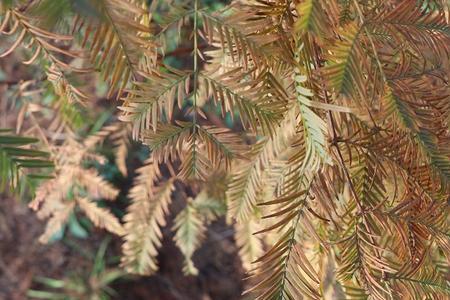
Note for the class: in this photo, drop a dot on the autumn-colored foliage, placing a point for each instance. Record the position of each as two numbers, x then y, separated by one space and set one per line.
319 129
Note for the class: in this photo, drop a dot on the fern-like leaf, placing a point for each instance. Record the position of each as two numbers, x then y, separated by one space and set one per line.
168 141
259 103
117 41
101 217
250 245
146 103
189 231
144 219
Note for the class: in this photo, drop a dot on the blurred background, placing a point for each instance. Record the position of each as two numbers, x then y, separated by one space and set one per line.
82 262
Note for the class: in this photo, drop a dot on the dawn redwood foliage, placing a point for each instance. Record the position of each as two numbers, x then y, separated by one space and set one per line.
319 129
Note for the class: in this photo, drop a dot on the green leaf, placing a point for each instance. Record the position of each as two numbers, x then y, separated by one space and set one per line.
16 140
15 157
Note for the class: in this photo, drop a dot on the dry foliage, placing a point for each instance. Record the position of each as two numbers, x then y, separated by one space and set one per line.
335 172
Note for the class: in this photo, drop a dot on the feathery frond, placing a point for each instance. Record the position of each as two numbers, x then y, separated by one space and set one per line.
168 140
76 186
236 36
101 217
260 103
250 245
41 41
117 40
189 231
119 135
144 219
147 103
